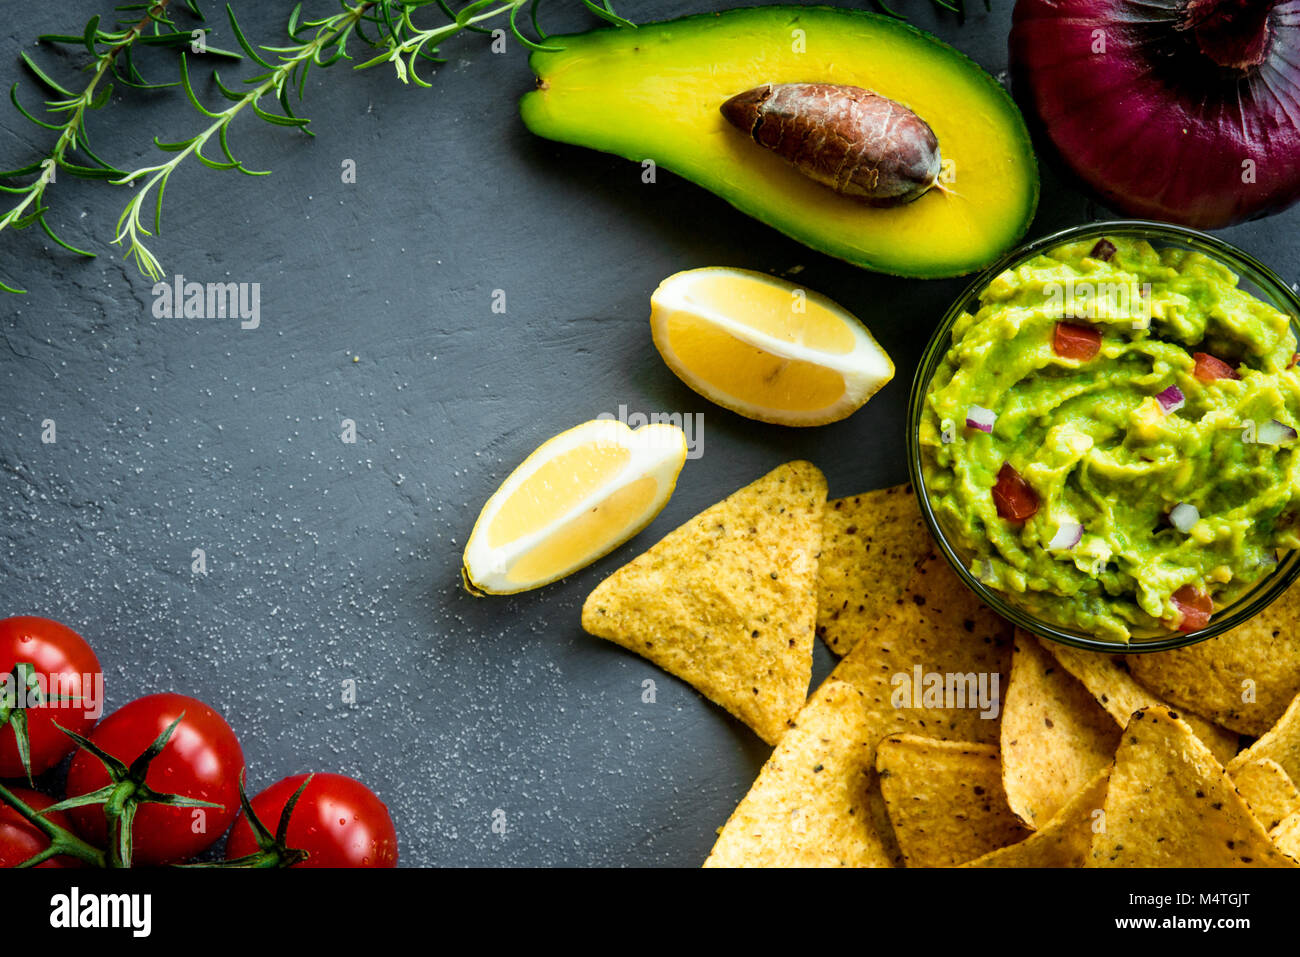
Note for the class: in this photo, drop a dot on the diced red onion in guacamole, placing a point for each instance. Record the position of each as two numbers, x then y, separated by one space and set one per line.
1184 516
978 417
1104 249
1066 537
982 571
1172 399
1274 432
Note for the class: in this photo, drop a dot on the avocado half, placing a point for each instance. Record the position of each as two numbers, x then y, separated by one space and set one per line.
654 93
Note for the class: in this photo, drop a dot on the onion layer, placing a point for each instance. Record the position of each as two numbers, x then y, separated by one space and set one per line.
1182 110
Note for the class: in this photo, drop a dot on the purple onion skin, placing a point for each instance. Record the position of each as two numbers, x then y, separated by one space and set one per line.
1162 122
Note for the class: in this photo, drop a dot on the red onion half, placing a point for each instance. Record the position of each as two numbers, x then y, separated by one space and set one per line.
1182 110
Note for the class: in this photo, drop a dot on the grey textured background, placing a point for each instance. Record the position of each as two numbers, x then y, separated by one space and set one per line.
330 561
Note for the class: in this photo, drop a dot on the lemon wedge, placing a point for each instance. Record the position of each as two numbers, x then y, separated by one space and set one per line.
765 348
579 496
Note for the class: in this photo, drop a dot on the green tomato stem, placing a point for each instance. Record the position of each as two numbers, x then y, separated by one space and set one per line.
62 841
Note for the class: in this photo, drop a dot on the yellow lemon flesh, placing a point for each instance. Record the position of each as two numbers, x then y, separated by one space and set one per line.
765 348
579 496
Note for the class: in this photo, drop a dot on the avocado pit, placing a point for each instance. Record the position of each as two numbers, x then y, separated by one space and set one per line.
854 141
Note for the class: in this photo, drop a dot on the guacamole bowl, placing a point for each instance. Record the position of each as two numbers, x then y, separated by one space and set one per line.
1104 436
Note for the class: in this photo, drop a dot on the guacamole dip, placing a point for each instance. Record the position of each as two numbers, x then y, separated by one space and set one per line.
1111 438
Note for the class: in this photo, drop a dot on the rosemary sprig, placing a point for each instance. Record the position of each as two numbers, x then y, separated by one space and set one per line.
30 207
294 61
320 42
405 41
111 50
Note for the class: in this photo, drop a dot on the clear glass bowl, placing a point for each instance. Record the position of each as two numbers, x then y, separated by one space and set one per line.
1255 278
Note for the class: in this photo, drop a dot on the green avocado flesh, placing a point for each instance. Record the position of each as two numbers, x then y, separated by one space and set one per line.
654 93
1100 449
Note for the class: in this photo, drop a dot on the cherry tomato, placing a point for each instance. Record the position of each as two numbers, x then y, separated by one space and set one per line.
338 821
201 760
68 669
1194 607
20 840
1208 368
1075 342
1013 496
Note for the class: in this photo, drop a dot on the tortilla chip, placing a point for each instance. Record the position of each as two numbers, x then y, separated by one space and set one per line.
949 632
1171 804
937 628
1268 790
728 601
1117 692
871 544
1280 743
1055 737
945 799
1259 661
1065 840
1286 836
808 807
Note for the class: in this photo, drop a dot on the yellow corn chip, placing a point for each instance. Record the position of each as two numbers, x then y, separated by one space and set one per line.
935 655
1280 743
871 544
1243 679
1117 692
1268 790
808 807
728 601
1065 840
1286 836
1171 804
945 799
1055 737
949 632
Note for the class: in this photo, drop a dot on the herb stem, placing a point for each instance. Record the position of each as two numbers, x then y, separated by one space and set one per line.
62 841
417 40
72 131
130 228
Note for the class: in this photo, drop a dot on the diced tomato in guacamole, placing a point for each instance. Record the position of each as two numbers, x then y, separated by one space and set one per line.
1014 499
1208 368
1070 341
1194 607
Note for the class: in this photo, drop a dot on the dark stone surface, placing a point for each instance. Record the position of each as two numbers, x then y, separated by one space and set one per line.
329 561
